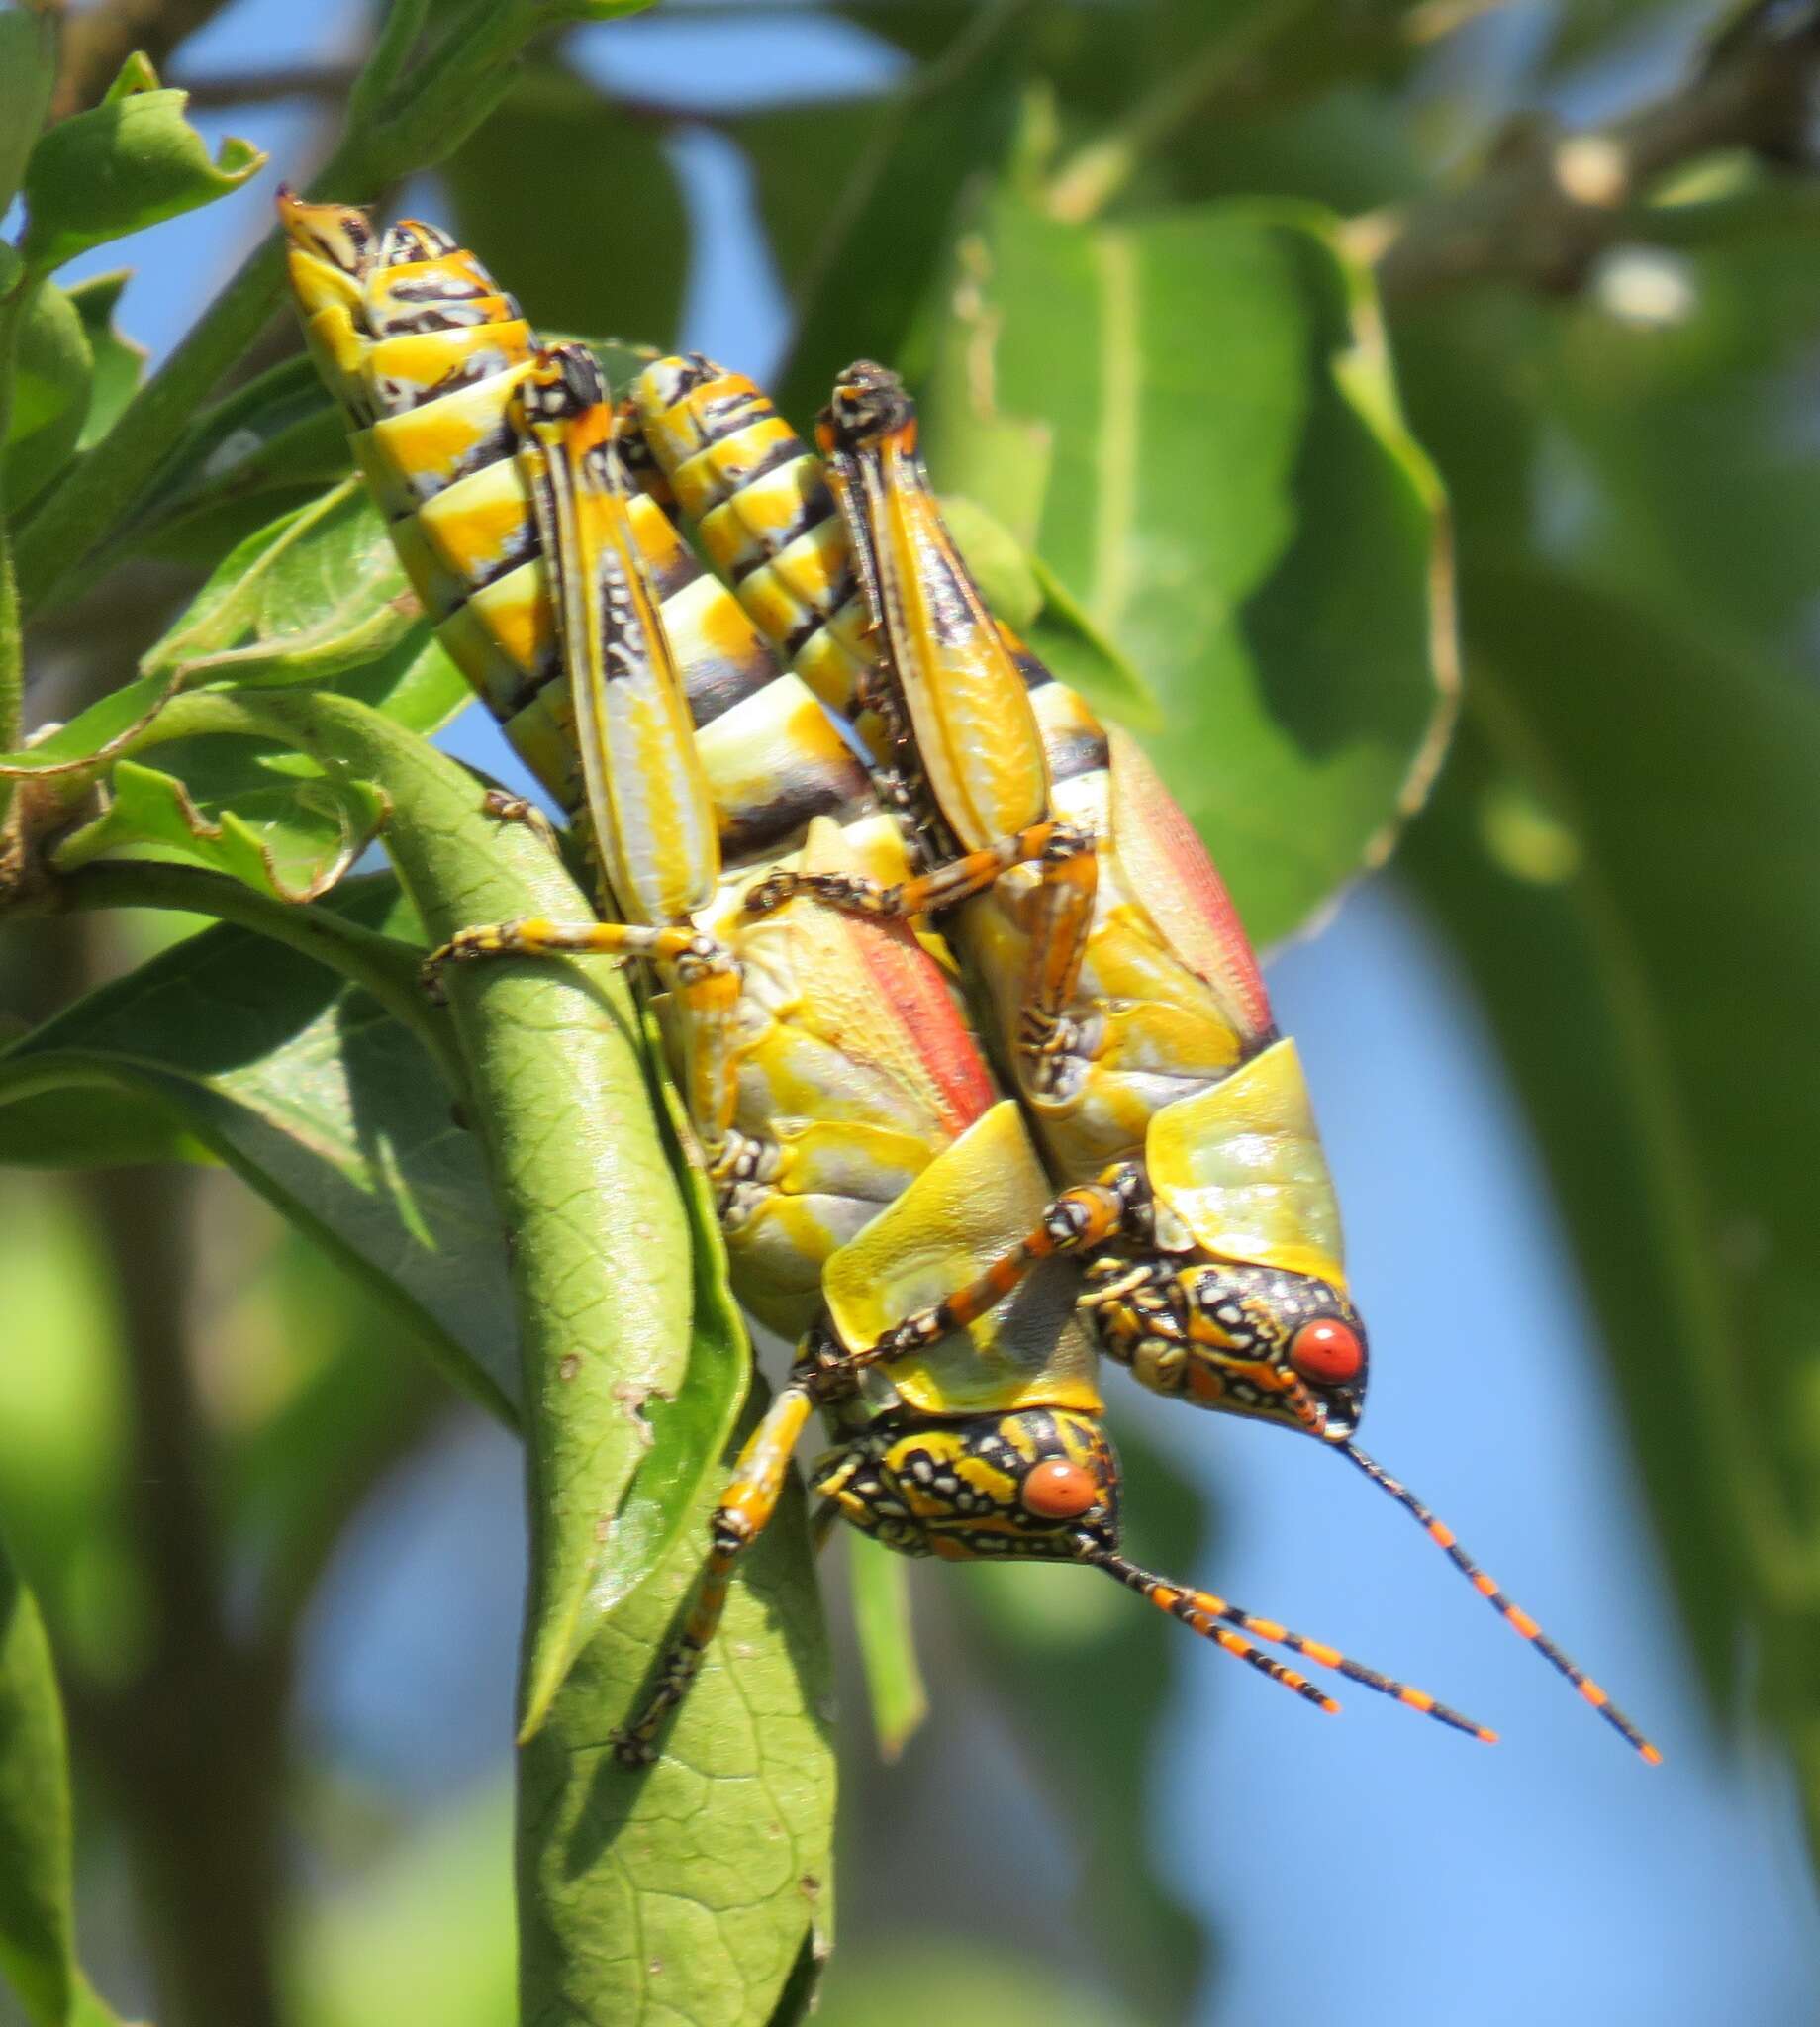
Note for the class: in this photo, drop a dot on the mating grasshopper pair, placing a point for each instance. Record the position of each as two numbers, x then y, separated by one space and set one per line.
880 1205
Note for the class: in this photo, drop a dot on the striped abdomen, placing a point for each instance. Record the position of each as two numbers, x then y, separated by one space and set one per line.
424 351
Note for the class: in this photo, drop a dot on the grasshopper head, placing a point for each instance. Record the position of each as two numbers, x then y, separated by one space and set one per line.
1263 1341
869 402
330 247
1036 1481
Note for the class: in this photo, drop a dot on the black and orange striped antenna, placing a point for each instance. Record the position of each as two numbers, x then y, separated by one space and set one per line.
1507 1609
1214 1617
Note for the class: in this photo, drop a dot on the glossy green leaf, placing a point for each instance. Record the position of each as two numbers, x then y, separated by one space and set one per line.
599 1239
293 842
37 1926
119 365
890 244
572 200
1599 873
882 1624
694 1890
28 73
53 369
317 593
127 164
1233 501
269 1061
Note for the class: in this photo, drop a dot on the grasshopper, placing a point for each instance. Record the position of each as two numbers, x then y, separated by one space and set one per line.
862 1161
1116 979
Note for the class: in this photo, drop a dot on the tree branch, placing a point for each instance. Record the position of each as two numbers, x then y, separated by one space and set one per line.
1549 201
98 40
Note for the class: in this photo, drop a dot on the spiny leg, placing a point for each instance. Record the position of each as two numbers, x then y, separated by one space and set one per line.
1079 1218
744 1512
706 977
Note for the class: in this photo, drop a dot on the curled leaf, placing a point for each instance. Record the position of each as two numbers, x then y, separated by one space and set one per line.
127 164
293 842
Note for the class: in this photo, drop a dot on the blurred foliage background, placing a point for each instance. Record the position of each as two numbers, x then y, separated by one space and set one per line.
280 1563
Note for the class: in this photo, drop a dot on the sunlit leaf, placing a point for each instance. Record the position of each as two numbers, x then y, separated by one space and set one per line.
1229 500
125 165
692 1890
293 842
315 594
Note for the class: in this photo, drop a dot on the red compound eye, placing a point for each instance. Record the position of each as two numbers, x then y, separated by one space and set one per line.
1328 1353
1056 1490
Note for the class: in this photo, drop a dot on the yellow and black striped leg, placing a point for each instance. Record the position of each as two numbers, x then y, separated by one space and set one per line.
744 1512
1061 918
704 977
1079 1218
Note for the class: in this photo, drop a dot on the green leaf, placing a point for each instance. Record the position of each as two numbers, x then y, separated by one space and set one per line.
119 365
799 154
53 370
558 167
317 593
27 75
1232 502
37 1926
599 1238
263 450
692 1890
880 1583
270 1061
697 1421
1631 837
294 841
893 230
127 163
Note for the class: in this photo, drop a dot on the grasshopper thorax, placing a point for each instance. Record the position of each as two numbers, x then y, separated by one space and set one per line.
1250 1340
1033 1483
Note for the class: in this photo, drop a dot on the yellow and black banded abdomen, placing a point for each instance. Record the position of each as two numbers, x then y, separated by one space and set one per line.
759 503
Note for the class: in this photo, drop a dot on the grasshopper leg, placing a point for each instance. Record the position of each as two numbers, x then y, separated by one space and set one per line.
1061 919
706 977
1078 1219
744 1512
